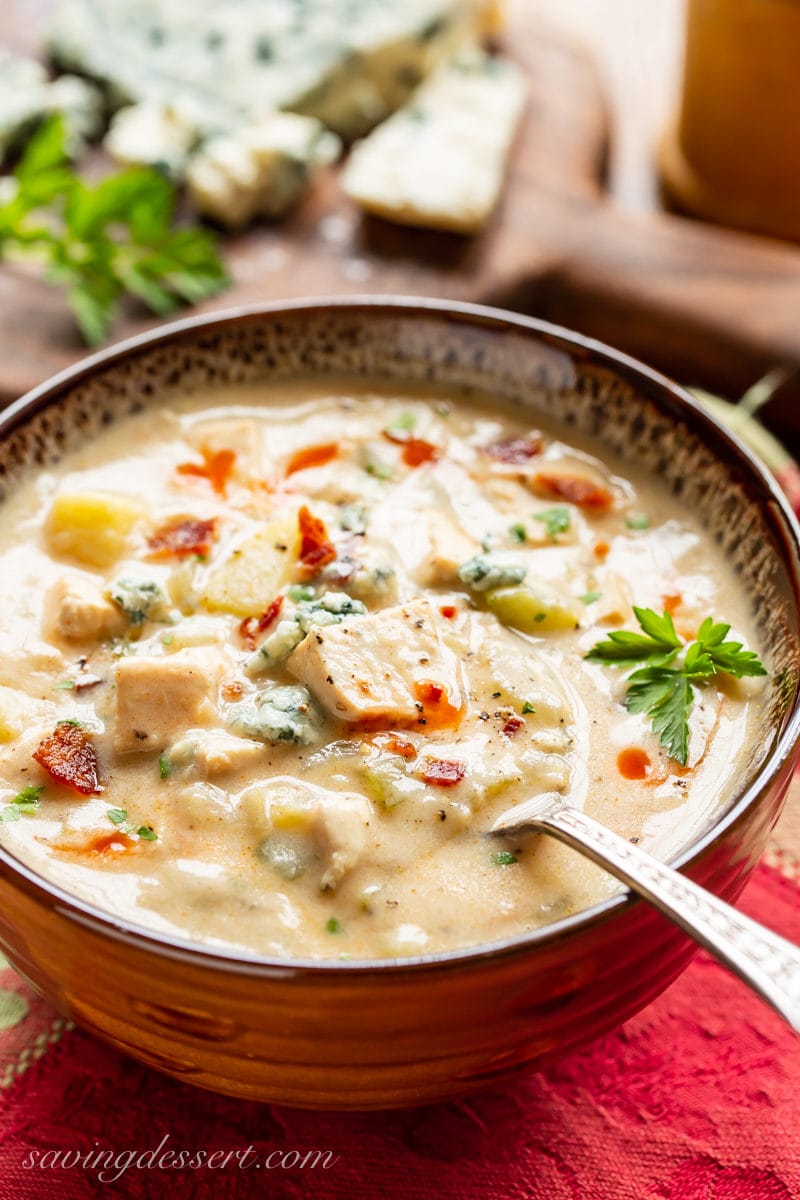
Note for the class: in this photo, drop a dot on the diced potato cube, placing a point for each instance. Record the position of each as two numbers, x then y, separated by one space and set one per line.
256 570
160 698
533 611
92 527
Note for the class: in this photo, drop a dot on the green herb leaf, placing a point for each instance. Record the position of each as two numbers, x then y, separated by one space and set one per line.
25 802
557 520
117 815
590 597
378 471
401 426
65 685
666 692
300 591
333 926
504 858
638 521
100 241
147 834
528 707
518 532
164 766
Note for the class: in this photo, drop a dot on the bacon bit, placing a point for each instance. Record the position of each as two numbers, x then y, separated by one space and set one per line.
251 626
232 691
216 467
601 549
316 551
68 756
428 692
182 537
515 450
448 611
397 745
442 772
671 603
575 488
416 451
512 725
312 456
633 763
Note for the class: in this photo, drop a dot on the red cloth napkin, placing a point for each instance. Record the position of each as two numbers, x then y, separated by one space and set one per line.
696 1098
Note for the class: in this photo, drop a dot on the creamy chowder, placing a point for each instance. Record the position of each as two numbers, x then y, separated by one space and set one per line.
274 659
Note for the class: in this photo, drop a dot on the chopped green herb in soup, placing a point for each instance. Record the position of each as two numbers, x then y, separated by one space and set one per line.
273 660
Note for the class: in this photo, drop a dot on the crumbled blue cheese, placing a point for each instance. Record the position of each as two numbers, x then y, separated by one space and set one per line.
346 62
329 609
153 134
440 161
259 170
492 570
278 714
140 599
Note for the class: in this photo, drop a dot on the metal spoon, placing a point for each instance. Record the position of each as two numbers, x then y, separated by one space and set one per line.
765 962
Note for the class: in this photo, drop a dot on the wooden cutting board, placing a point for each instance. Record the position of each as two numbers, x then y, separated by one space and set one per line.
707 306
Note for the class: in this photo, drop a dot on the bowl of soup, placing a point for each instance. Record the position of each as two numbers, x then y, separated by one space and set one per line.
296 602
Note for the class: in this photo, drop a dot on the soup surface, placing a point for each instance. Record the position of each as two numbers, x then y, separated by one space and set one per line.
274 660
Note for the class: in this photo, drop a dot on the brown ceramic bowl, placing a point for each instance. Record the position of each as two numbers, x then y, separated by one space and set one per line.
379 1034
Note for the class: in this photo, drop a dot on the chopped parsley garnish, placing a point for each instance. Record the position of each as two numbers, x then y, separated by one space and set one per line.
402 425
638 521
518 532
590 597
557 520
300 591
333 926
117 815
25 802
378 471
167 639
504 858
147 834
528 707
664 687
65 685
164 766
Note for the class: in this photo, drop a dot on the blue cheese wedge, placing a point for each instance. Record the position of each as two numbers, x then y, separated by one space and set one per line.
260 170
349 63
440 161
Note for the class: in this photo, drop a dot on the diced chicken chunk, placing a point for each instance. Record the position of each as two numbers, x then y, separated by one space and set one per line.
449 547
214 752
159 698
374 667
76 610
303 825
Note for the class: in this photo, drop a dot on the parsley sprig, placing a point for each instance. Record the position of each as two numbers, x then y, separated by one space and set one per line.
104 240
25 802
665 687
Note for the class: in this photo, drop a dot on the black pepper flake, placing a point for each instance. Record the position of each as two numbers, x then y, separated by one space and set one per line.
496 695
392 903
281 546
421 721
329 679
634 839
319 639
484 716
418 706
442 815
419 624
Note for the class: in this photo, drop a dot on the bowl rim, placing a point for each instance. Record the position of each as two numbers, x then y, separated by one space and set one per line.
667 395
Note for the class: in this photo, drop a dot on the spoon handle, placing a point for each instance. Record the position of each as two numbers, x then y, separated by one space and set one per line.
768 963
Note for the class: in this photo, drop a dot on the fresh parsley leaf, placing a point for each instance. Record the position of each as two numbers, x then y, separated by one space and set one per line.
658 644
557 520
638 521
528 707
164 767
117 815
665 687
103 240
402 425
147 834
378 471
333 926
504 858
65 685
590 597
518 532
25 802
300 591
